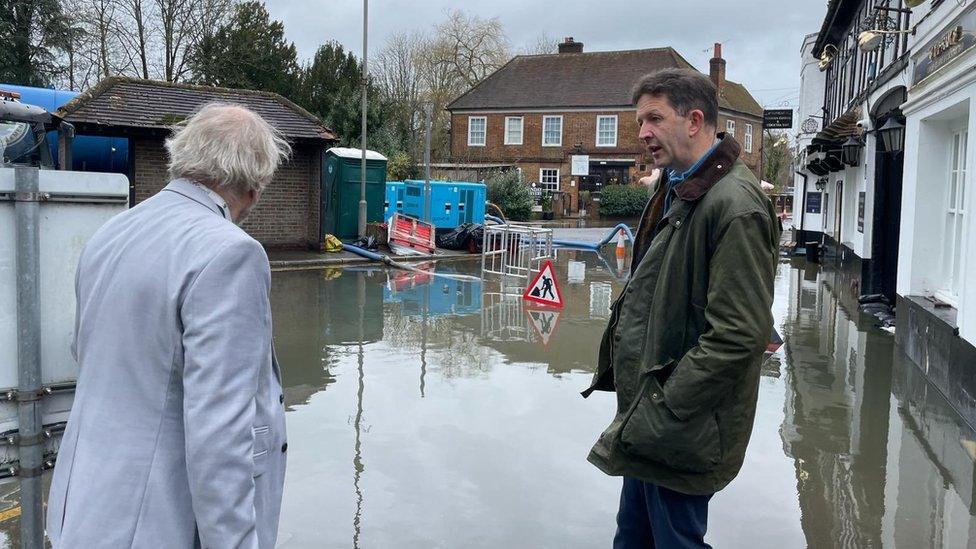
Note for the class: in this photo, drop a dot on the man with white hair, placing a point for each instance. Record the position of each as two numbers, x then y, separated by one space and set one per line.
177 433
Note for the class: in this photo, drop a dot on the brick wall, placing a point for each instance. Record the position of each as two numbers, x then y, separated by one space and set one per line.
286 216
751 159
578 127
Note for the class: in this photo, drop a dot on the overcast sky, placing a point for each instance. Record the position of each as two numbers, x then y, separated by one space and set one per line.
760 38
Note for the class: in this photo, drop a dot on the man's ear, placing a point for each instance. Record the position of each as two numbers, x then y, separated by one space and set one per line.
696 122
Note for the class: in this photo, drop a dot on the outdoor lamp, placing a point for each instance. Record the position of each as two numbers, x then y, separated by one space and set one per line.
851 151
821 183
869 40
893 135
826 57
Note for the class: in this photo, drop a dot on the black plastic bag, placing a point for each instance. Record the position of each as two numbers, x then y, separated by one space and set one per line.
367 243
458 238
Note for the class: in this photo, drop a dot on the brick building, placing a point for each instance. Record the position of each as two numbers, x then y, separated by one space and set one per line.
144 111
537 111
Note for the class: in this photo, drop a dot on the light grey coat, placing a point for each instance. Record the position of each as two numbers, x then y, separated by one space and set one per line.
177 433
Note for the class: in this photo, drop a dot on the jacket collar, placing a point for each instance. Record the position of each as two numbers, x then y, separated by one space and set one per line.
197 194
714 168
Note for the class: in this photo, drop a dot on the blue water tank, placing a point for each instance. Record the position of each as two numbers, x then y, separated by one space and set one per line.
393 199
452 203
89 153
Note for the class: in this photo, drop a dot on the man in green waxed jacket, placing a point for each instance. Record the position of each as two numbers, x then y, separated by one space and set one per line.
687 334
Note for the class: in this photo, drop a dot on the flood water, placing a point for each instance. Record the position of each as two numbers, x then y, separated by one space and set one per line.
431 413
426 412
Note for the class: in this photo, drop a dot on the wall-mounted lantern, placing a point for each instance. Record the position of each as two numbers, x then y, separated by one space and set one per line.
821 184
826 57
851 151
893 135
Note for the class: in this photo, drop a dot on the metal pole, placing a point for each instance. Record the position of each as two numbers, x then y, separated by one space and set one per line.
428 114
362 141
27 209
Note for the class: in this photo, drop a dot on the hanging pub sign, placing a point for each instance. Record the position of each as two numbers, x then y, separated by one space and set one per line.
958 38
814 202
580 164
778 119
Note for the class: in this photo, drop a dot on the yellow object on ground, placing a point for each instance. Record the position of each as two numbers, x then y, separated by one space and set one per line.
331 244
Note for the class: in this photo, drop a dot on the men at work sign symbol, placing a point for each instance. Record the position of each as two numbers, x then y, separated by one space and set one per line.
544 289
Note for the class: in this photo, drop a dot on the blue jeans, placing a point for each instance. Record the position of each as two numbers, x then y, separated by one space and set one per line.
653 517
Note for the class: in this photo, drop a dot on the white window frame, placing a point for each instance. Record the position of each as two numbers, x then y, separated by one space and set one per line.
747 138
606 117
552 117
484 138
548 186
955 220
730 127
521 130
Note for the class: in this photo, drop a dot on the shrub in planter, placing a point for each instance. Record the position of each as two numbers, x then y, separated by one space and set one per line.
623 200
511 195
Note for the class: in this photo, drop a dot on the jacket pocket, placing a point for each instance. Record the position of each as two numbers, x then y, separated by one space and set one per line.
262 437
654 433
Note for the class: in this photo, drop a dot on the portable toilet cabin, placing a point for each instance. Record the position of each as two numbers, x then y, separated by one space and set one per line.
339 207
394 199
452 203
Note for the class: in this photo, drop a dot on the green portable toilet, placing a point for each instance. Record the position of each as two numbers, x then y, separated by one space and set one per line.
339 202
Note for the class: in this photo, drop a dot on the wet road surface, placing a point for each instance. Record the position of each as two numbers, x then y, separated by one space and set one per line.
426 412
431 413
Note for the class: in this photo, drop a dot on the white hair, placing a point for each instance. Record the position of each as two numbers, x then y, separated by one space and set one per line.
226 146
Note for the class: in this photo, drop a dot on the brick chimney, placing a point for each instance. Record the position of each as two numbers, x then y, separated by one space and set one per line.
717 68
569 46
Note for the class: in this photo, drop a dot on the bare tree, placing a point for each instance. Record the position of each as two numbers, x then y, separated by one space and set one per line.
469 48
544 44
92 48
136 36
398 71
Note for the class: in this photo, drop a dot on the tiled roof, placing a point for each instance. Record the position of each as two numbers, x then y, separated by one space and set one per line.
582 80
118 102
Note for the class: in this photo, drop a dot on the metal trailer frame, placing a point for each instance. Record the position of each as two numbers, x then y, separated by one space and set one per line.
39 390
515 250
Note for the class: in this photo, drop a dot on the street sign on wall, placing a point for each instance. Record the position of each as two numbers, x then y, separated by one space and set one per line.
778 119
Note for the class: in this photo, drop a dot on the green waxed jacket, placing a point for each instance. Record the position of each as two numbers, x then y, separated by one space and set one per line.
686 336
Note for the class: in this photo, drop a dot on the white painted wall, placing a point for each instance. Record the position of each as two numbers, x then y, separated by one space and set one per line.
810 102
944 102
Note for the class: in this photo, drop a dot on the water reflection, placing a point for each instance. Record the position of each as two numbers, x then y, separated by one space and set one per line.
427 412
861 479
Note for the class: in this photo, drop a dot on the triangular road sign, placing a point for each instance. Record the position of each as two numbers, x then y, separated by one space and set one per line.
545 323
544 290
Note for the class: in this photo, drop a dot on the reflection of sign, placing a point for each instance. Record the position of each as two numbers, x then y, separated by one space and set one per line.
860 212
544 322
581 164
957 39
544 290
778 119
577 271
814 202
